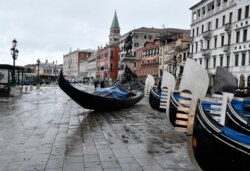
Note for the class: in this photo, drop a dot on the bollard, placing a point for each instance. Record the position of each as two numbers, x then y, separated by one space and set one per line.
26 89
37 86
21 89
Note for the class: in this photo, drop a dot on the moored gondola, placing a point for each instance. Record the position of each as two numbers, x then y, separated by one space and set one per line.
224 82
154 99
159 98
238 115
217 147
113 98
155 96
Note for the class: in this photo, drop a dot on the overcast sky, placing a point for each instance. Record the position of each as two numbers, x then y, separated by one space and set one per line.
47 29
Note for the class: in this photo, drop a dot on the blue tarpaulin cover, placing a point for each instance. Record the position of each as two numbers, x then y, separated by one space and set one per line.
179 97
239 106
207 105
242 138
112 92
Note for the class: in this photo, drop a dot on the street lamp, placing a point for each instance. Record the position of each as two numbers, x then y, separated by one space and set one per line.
38 77
14 54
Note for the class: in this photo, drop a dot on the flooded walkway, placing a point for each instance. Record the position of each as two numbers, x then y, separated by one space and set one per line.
46 131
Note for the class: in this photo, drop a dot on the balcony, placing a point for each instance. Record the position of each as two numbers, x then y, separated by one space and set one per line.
216 10
227 48
207 34
228 27
206 53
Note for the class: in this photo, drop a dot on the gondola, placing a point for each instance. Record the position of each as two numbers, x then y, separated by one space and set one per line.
155 96
97 101
224 82
154 99
238 115
159 93
218 147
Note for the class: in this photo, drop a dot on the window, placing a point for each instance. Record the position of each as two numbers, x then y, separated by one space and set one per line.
217 23
214 61
221 60
209 26
228 61
145 36
236 60
239 14
218 3
207 60
215 42
200 61
184 56
244 35
201 45
111 54
197 31
237 36
193 33
202 28
223 20
243 59
203 10
136 44
230 17
229 39
247 11
208 44
196 47
222 40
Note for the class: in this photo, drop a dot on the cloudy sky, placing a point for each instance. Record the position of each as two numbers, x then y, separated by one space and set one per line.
47 29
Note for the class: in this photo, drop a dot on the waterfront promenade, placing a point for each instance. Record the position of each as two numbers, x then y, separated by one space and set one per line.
46 131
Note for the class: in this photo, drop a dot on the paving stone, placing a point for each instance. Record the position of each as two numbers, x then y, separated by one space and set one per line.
47 131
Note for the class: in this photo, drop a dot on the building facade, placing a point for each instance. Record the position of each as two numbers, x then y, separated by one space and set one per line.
143 35
150 59
107 62
91 66
220 36
71 62
48 72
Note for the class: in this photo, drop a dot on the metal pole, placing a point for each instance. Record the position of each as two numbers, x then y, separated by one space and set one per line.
13 74
38 74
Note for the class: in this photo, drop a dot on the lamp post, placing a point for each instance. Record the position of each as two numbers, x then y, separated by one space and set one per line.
38 77
14 54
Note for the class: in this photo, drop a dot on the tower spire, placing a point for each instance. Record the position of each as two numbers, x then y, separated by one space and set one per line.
114 31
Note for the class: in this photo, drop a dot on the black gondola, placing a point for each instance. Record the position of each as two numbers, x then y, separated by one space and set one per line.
96 102
224 81
155 96
217 147
238 115
160 93
154 99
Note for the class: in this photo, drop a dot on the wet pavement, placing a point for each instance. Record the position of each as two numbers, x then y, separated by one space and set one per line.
46 131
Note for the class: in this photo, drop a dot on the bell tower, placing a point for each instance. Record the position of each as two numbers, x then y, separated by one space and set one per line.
114 35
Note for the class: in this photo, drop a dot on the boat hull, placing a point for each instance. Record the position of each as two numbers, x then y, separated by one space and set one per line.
98 103
236 120
154 99
213 150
